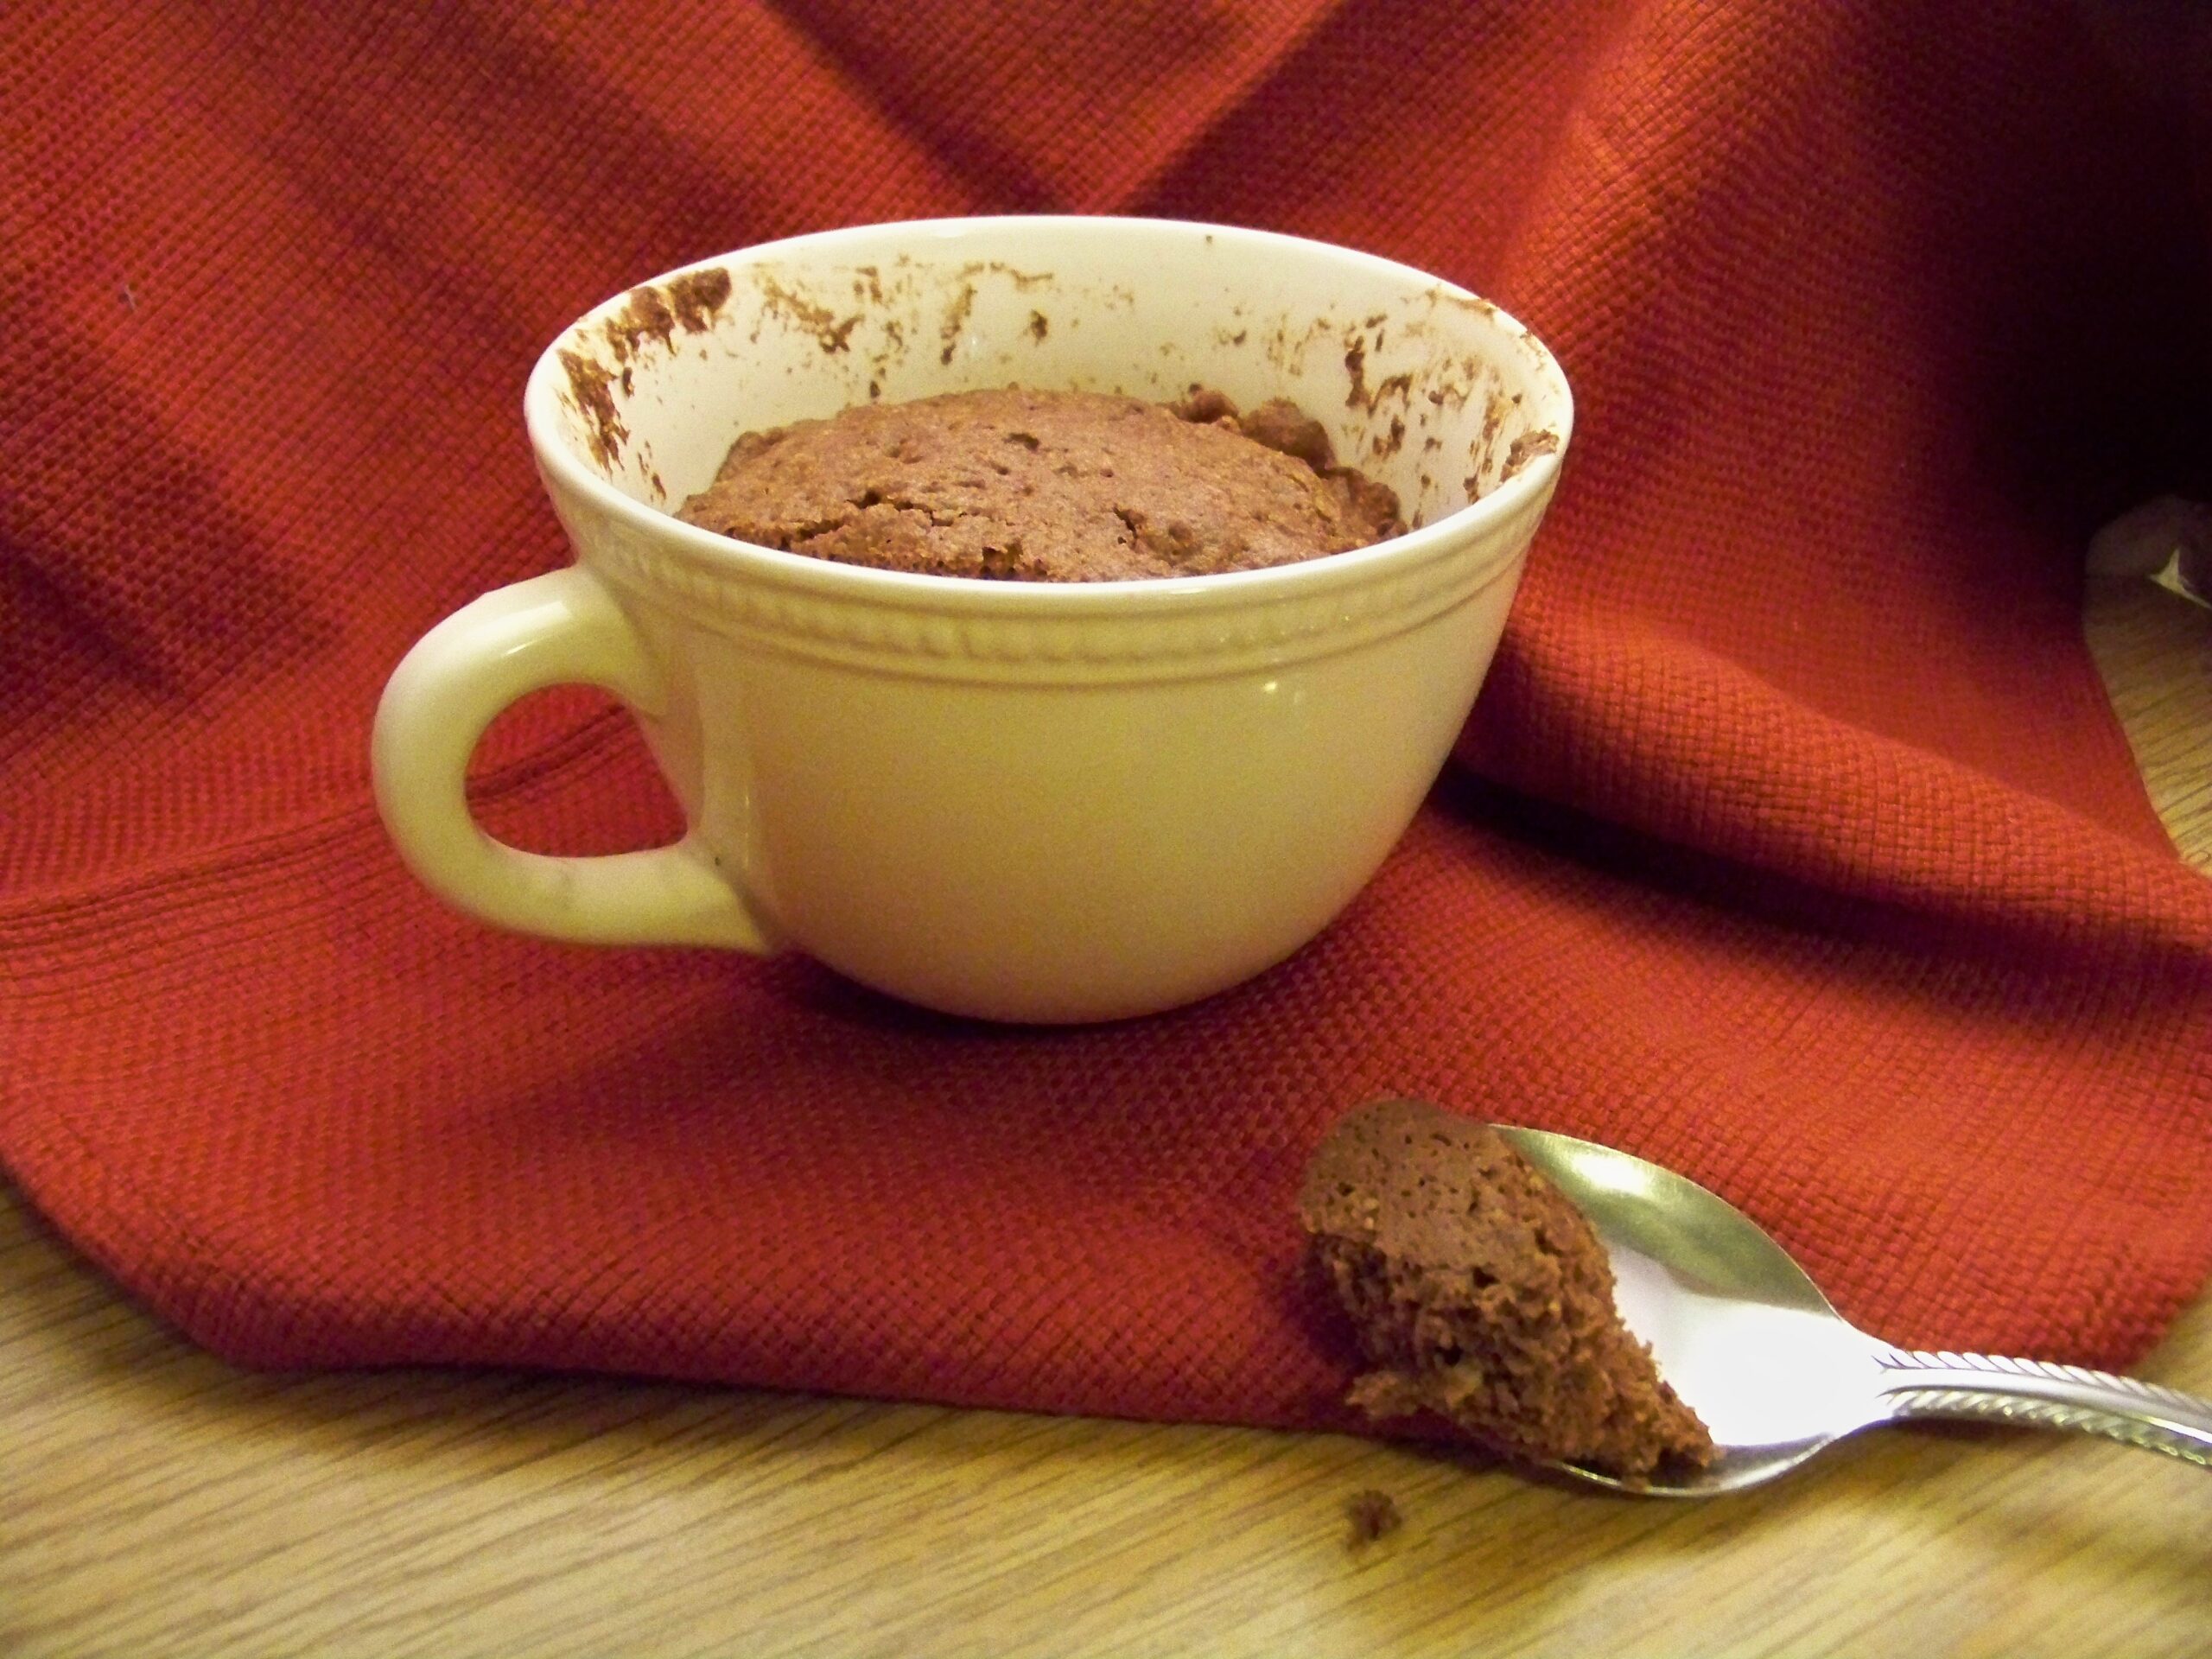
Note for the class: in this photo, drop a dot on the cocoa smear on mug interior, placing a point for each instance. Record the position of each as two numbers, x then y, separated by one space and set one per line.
1049 487
690 303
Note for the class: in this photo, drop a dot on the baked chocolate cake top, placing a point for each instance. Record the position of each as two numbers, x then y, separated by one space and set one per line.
1048 487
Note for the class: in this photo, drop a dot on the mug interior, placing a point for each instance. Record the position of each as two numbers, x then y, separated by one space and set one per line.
1422 386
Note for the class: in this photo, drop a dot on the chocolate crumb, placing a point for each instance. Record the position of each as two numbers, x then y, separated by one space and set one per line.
1039 325
1374 1515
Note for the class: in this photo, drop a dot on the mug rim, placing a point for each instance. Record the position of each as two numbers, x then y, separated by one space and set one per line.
1452 533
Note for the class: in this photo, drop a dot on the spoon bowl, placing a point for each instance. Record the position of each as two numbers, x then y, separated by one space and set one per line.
1746 1338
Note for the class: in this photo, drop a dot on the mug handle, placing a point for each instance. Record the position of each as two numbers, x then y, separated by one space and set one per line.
563 628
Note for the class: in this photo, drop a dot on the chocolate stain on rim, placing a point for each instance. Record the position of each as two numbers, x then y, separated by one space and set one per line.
1454 383
1474 302
1526 448
1287 350
1022 280
645 316
1400 386
1483 452
894 346
695 298
831 332
955 318
689 303
590 381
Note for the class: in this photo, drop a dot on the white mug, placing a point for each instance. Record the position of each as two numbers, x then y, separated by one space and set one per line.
1022 801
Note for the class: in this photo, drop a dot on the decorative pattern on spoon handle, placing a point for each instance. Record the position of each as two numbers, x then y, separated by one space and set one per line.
2037 1393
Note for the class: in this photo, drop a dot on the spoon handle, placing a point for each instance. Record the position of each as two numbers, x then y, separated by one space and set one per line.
2036 1393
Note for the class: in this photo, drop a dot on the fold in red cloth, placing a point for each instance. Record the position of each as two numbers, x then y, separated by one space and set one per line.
1793 843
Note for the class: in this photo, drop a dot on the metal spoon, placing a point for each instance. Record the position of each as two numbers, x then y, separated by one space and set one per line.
1751 1346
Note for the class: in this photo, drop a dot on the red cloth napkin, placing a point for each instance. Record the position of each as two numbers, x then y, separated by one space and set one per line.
1795 845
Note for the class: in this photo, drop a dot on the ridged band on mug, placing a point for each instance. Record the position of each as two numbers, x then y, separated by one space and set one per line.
1202 637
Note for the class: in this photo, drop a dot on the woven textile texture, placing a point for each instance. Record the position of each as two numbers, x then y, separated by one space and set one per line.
1793 842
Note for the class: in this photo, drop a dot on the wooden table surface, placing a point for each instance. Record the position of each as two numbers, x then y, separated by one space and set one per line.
154 1501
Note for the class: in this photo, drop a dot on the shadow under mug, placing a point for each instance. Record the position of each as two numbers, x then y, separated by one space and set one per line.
1029 802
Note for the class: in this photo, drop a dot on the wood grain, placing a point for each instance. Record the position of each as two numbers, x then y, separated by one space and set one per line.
153 1501
2154 649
